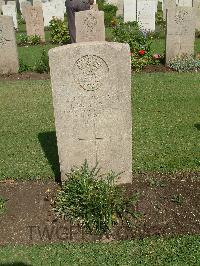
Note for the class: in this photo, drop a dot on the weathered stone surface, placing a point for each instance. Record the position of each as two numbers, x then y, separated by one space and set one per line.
8 49
196 4
23 6
11 10
33 16
180 33
92 105
89 26
187 3
1 4
168 5
146 12
52 9
130 10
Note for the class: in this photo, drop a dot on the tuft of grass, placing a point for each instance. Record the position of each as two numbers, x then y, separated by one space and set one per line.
2 205
178 199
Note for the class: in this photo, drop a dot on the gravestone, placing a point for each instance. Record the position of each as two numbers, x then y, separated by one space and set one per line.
8 48
11 10
146 12
37 2
34 20
23 7
1 4
92 106
52 9
186 3
196 4
130 10
180 33
21 4
168 5
89 26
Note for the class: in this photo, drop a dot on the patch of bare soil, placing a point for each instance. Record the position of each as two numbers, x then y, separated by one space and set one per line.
157 68
167 205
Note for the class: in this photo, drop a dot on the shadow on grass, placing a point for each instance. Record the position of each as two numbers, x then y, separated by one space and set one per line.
48 142
197 125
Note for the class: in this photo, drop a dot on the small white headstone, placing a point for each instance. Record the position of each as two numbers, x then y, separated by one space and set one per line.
180 33
146 13
11 10
130 10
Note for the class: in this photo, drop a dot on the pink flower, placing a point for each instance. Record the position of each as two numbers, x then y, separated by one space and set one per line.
156 56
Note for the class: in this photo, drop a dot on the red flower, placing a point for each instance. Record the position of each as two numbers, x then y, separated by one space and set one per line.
141 52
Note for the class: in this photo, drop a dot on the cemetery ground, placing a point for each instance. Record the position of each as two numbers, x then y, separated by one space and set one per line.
166 176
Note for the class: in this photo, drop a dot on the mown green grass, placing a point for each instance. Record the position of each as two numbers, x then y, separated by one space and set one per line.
166 122
31 54
166 126
180 251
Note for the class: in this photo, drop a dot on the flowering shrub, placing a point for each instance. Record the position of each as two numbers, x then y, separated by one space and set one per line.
140 43
59 31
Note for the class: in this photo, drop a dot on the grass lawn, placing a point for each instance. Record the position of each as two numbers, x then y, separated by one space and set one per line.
153 251
165 133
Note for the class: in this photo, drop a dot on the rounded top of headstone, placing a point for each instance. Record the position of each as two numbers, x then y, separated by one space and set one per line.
114 45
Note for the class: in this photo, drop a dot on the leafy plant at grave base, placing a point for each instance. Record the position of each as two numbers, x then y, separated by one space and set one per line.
23 39
29 40
42 65
34 40
23 67
109 12
140 44
185 64
154 182
94 201
178 199
2 205
59 31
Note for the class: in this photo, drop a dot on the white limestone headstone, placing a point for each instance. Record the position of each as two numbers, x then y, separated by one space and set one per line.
89 26
52 9
91 85
130 10
196 4
180 35
168 5
186 3
146 13
11 10
8 49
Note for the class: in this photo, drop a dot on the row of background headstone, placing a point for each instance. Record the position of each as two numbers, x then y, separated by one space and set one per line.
142 11
180 27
